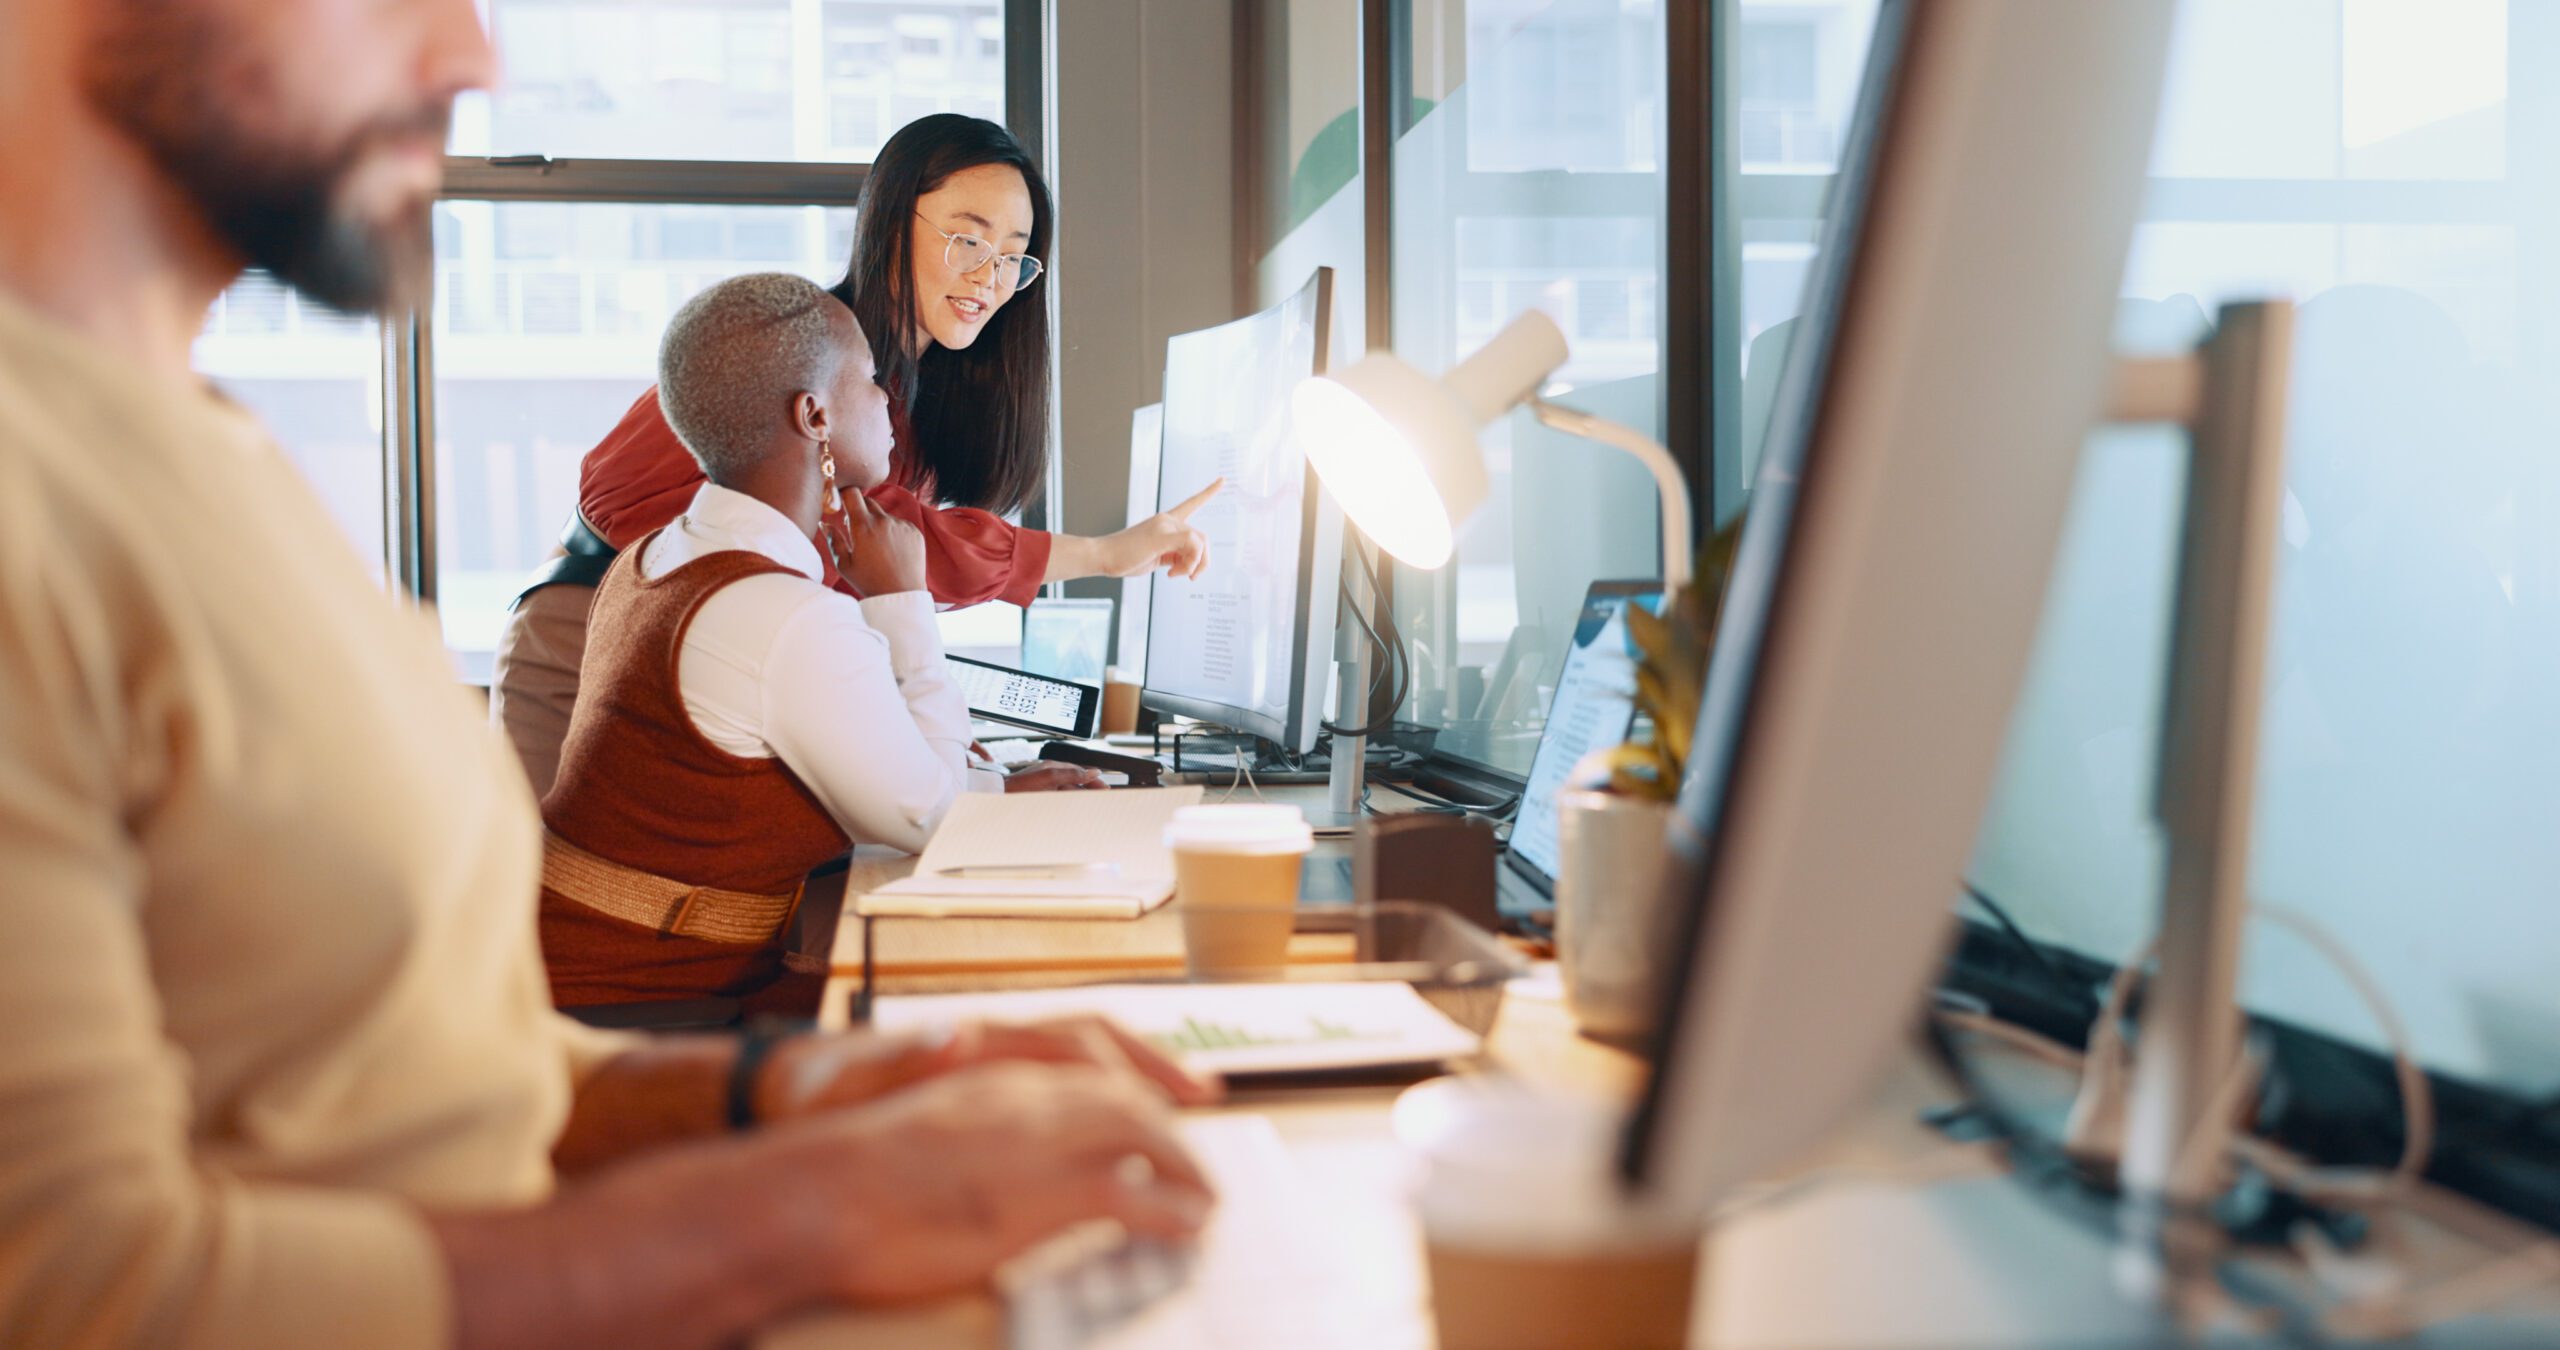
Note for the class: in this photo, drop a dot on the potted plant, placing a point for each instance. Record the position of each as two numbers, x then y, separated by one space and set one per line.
1612 930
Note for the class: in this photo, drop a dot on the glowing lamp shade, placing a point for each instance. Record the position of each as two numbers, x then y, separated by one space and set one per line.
1398 449
1385 458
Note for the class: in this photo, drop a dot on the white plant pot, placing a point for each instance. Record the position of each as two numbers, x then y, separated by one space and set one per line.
1611 936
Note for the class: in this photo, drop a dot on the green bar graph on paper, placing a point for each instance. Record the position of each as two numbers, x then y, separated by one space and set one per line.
1198 1035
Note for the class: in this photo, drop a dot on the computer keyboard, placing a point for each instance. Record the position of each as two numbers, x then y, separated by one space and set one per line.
1326 881
1263 1273
1088 1294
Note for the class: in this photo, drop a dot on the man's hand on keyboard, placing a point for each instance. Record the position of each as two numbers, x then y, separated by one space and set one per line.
1046 776
931 1189
1094 1041
811 1074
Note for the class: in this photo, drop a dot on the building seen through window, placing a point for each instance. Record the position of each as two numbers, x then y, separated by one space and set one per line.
807 80
314 378
545 316
1532 179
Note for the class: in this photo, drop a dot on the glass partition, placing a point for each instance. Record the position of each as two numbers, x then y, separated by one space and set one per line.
808 80
2356 158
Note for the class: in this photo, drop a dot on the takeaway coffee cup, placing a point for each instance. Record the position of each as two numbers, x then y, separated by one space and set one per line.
1119 704
1529 1239
1235 883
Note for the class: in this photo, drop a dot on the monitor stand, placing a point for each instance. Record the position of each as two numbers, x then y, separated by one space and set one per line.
2230 396
1347 779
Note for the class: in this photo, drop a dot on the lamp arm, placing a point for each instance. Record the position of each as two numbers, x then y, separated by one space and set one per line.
1674 490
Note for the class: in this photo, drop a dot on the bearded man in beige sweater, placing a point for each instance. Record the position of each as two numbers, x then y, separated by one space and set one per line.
277 1064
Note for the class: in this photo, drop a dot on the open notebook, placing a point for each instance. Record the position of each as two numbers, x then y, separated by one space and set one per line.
1054 855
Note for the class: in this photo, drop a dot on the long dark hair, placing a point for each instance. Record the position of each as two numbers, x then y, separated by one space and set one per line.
979 417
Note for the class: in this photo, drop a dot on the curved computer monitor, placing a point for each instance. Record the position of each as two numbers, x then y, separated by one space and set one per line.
1953 353
1247 644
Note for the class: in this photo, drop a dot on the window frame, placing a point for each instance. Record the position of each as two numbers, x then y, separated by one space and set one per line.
408 348
1686 328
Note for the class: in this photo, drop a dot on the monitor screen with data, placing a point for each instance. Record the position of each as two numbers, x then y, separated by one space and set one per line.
1248 642
1593 707
1023 699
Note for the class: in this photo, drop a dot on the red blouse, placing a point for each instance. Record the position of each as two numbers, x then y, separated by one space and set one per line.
640 476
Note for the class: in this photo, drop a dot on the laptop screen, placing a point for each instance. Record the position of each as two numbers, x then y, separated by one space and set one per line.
1593 709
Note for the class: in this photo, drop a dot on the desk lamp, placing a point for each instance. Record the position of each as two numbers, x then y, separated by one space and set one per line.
1397 448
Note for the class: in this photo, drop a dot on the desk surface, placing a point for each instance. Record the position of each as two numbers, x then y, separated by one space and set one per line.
1887 1236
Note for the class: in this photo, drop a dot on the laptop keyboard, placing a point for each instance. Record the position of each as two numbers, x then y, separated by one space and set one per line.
1326 881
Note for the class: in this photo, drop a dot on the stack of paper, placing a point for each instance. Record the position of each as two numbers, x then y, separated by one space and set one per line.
1054 855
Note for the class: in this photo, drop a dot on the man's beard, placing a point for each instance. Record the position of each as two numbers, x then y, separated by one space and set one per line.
177 81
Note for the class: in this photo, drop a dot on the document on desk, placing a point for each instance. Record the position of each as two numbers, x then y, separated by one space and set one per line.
1041 855
1227 1028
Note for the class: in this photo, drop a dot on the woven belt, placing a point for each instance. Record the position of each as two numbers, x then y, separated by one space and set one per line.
653 901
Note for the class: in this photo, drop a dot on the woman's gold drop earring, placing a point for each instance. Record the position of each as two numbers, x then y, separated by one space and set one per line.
827 471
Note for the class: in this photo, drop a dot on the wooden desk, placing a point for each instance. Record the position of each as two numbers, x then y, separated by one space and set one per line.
1887 1235
1338 1137
1352 1172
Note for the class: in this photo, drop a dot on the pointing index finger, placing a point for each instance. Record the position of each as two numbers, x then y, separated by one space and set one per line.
1195 500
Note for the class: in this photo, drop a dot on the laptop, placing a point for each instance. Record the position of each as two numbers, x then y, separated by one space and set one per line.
1594 707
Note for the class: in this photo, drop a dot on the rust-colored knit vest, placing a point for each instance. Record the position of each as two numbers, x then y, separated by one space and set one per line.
641 786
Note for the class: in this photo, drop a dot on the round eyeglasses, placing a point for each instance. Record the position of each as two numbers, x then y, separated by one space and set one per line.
966 253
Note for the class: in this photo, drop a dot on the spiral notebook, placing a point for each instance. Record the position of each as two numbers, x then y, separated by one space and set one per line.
1041 855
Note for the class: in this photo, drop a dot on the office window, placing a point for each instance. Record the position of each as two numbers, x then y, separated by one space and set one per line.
546 313
1534 180
2407 786
1310 123
1779 93
1530 180
725 79
314 378
1797 70
546 325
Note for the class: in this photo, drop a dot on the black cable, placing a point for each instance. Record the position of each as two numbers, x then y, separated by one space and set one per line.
2532 1117
1393 664
1433 801
1386 668
2080 994
2084 1194
2034 1157
1189 730
1385 620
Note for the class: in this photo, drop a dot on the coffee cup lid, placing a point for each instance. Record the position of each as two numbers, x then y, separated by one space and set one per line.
1244 827
1514 1168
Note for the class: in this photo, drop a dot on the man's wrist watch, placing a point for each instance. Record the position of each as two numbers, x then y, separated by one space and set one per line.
755 1045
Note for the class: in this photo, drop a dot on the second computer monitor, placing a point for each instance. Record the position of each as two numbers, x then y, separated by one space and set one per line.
1886 586
1249 642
